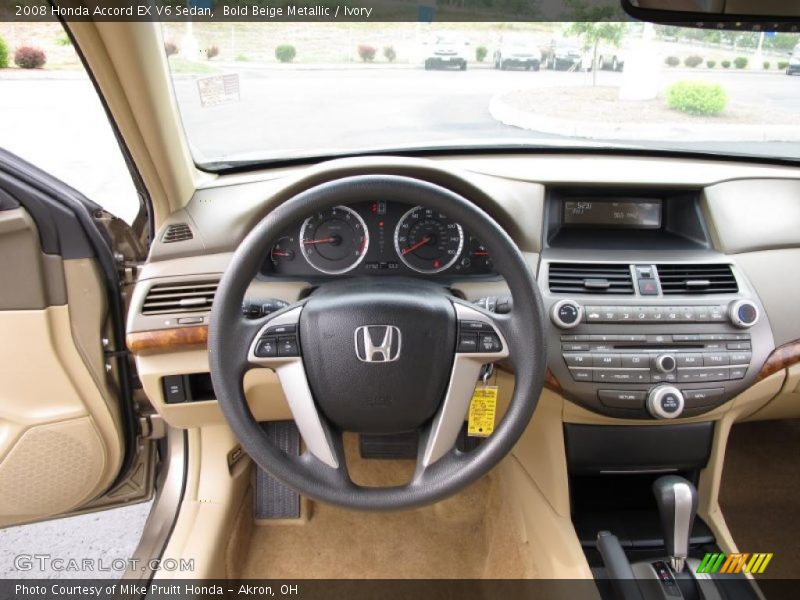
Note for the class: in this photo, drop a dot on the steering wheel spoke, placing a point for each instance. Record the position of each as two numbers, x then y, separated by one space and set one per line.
277 346
479 341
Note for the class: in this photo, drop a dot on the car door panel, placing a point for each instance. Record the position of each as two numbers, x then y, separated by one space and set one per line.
64 423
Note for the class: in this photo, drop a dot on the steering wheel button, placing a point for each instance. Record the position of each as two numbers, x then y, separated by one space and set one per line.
490 342
468 342
474 326
281 329
267 347
287 346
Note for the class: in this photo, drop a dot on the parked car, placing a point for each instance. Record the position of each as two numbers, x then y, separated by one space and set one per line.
446 51
794 61
517 52
610 58
565 54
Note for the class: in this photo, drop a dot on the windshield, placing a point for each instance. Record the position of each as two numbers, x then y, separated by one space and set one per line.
261 92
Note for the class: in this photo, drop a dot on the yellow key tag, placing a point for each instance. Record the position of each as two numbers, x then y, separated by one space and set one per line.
481 411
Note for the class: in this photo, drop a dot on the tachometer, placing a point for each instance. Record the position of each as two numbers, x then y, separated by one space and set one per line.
427 240
335 240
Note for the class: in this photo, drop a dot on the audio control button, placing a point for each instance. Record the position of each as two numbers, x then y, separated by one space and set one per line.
606 360
716 359
581 374
740 358
690 360
666 363
635 361
622 399
578 360
698 398
665 402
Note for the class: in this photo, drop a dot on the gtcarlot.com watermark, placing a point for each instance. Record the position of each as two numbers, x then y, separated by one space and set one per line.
50 563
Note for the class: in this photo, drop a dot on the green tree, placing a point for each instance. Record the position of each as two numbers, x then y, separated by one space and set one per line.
594 26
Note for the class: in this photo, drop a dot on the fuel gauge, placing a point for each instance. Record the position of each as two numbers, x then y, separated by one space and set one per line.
475 258
283 251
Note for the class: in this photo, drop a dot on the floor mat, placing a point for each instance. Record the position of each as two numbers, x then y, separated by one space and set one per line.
470 535
760 492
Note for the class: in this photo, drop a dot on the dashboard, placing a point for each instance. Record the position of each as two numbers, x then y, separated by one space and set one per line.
377 238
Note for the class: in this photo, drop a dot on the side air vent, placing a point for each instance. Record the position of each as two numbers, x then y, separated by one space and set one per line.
177 232
590 278
697 279
172 298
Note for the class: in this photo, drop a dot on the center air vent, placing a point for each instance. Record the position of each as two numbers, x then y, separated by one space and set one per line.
697 279
172 298
177 232
590 278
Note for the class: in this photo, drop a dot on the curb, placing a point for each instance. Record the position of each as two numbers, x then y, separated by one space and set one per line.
632 131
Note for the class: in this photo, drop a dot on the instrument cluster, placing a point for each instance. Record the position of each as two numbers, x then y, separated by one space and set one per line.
380 237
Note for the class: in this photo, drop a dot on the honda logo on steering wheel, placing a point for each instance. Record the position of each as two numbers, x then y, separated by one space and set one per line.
377 343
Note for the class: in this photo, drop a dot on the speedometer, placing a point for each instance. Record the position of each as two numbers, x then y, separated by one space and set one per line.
428 241
334 241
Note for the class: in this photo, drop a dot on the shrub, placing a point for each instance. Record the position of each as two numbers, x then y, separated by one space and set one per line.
241 58
63 40
212 52
480 53
3 54
28 57
697 98
767 65
171 48
726 64
672 61
366 52
693 61
740 62
389 53
783 64
285 53
711 64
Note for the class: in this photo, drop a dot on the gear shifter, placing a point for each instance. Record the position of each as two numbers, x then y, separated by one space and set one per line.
677 504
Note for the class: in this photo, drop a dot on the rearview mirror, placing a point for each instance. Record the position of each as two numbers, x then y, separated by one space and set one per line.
705 10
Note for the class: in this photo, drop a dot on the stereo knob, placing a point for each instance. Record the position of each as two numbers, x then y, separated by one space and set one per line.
566 314
666 363
665 402
743 313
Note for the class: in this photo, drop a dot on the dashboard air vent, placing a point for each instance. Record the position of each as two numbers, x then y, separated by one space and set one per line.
171 298
697 279
590 278
177 232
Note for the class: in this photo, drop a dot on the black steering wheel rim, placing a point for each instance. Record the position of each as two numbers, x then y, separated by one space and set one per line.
230 336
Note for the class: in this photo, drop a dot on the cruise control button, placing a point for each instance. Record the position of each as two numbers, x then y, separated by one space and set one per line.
287 346
267 347
468 342
622 399
490 342
474 326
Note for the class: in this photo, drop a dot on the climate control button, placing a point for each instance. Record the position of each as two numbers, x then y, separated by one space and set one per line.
743 313
566 314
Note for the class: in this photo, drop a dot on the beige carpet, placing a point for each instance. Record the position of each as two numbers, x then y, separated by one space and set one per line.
760 493
470 535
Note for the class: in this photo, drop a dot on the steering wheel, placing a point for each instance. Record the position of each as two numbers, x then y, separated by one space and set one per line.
377 355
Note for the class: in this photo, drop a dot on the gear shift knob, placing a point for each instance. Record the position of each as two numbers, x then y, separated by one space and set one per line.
677 504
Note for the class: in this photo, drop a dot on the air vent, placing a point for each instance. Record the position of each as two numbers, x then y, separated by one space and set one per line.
177 232
590 278
697 279
172 298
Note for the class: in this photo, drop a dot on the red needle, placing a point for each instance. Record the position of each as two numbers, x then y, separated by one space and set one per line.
419 244
276 253
328 240
480 254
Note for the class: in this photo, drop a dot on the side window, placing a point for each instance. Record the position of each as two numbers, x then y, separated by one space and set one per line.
51 116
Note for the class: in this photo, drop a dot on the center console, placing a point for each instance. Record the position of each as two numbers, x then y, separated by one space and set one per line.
648 321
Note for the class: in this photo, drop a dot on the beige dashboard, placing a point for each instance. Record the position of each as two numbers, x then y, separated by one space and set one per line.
751 210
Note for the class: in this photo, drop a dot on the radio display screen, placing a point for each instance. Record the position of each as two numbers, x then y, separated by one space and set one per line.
630 214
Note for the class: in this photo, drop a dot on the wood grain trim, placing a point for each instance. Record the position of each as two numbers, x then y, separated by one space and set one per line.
781 358
167 340
551 383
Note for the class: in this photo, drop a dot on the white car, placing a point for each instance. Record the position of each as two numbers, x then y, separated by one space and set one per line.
517 52
446 51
